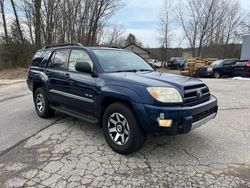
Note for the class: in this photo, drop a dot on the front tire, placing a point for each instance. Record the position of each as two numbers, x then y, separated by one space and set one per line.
42 104
121 130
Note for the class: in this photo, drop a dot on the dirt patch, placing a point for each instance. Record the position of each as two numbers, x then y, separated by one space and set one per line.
19 73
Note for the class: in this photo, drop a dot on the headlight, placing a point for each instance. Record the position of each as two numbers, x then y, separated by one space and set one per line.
165 94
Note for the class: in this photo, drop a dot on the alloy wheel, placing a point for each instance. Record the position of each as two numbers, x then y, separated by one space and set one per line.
118 128
40 103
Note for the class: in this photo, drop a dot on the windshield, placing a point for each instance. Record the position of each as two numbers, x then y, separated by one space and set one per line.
216 63
121 61
181 61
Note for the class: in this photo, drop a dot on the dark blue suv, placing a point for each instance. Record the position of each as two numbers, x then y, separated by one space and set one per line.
119 91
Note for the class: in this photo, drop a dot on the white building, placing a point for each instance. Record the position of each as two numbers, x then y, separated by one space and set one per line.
138 50
245 51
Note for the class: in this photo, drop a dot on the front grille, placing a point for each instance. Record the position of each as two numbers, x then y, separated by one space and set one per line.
196 93
204 114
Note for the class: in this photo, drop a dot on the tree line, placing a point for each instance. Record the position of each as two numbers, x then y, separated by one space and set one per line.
203 23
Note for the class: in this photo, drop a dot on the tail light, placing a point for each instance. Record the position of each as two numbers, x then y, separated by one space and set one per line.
248 63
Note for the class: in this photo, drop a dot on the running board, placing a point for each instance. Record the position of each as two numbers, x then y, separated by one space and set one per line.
75 114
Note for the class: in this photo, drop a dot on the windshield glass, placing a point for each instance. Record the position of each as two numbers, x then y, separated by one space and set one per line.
216 63
121 61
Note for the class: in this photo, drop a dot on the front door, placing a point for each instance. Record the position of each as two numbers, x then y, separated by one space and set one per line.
83 85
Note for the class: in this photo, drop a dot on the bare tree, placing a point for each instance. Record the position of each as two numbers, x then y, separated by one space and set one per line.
194 17
37 5
209 22
114 35
167 19
17 21
232 23
27 8
4 20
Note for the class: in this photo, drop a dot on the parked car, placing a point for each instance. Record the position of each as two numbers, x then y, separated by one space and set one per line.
155 64
183 65
175 63
217 69
119 91
242 68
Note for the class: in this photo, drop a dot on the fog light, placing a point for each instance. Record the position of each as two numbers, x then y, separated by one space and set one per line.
165 122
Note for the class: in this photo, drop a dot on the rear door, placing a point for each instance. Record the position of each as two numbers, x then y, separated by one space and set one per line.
58 78
83 85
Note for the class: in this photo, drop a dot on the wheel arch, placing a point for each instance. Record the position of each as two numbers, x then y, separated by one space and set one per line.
108 100
36 84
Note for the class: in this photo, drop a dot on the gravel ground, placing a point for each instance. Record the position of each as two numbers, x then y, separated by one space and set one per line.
71 153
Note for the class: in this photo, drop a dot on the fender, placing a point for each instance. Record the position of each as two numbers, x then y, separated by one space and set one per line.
127 95
121 93
38 76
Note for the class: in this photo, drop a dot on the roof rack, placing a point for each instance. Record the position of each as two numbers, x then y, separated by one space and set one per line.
61 45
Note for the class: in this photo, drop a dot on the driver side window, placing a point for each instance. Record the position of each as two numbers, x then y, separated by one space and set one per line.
78 56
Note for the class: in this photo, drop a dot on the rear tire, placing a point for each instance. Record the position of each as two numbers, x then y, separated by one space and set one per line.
42 104
121 130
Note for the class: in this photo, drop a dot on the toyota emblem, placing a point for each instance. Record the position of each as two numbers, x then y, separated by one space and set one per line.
199 93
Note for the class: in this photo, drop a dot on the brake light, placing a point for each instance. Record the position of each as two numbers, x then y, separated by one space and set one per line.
248 63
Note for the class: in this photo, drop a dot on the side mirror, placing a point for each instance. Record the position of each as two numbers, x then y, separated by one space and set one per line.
83 67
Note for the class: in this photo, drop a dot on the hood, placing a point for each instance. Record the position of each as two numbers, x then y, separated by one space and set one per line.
156 79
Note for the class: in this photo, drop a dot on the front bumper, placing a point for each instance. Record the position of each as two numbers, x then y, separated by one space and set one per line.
185 118
203 73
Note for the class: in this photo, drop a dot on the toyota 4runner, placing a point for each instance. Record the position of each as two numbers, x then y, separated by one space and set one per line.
119 91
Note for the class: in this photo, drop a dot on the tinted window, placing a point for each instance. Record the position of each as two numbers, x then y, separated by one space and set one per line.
217 63
229 62
37 59
78 56
116 60
59 60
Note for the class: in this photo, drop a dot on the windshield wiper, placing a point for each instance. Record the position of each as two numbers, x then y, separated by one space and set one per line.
145 70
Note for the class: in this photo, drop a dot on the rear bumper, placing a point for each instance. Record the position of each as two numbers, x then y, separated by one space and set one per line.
184 118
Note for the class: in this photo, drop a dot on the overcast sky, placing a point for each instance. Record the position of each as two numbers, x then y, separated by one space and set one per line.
141 17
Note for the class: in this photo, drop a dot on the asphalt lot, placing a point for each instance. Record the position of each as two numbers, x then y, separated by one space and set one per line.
66 152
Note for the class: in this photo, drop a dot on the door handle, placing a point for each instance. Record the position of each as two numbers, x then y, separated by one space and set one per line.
67 76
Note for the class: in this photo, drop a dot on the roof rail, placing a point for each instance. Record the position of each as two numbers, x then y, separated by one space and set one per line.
115 47
61 45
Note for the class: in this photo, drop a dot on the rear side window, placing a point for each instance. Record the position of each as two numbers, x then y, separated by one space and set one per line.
229 62
38 58
59 60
